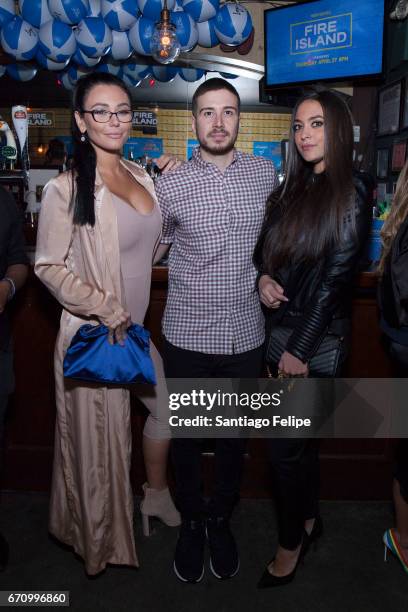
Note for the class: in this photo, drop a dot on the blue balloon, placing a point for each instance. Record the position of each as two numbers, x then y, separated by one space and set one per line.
35 11
121 47
114 68
65 80
140 35
130 81
69 11
21 72
151 9
94 8
186 29
201 10
120 15
83 60
20 39
227 75
233 24
76 72
137 71
49 64
207 36
94 37
57 40
7 11
164 74
191 74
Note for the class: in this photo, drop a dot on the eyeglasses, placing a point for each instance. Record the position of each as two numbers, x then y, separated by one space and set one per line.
103 116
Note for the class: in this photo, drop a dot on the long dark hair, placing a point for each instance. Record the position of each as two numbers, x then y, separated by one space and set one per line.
313 206
84 156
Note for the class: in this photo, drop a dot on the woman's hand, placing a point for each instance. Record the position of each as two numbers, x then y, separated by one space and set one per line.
117 330
270 292
4 294
292 366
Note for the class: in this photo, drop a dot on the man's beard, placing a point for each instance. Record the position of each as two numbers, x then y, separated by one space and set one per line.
221 149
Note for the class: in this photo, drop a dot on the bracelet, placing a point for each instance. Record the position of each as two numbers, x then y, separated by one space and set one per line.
12 287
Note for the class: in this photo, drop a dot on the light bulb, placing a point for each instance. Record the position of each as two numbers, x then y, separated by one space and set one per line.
165 46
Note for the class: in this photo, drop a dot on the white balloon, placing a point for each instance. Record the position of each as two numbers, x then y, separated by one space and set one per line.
121 47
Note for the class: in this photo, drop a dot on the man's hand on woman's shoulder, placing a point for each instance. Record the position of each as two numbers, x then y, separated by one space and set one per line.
168 162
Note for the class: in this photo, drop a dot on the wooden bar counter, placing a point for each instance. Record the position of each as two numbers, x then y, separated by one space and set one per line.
351 469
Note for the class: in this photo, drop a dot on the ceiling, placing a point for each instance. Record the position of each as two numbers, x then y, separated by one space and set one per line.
43 90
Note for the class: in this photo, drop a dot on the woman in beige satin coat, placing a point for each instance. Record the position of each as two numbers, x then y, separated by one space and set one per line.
87 219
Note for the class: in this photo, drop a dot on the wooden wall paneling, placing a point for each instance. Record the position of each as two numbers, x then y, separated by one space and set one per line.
31 415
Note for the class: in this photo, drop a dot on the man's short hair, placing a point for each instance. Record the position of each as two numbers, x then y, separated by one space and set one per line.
213 85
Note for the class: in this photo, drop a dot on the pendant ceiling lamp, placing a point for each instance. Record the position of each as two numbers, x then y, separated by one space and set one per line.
165 46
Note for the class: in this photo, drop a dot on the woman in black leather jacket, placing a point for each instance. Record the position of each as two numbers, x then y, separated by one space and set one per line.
315 227
393 302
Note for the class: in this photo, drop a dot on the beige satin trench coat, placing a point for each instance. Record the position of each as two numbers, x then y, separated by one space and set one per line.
91 504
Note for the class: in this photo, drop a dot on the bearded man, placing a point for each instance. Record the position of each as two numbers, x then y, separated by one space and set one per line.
213 207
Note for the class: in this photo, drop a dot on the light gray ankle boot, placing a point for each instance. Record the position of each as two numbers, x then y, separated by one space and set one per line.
159 504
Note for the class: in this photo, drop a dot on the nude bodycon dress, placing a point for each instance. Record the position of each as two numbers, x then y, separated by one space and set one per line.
138 235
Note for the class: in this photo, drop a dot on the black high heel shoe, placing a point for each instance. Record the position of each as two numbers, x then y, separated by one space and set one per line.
268 580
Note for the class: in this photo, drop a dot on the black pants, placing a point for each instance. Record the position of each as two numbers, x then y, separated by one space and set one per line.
296 477
295 473
229 453
399 354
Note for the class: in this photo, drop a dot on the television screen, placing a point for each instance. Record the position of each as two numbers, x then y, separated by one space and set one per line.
324 39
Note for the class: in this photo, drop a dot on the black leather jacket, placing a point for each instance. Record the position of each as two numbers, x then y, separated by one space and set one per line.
393 287
320 293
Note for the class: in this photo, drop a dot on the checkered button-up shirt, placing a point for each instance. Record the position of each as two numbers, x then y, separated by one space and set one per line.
213 219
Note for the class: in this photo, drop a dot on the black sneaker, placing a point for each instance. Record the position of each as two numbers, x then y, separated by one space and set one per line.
224 559
189 555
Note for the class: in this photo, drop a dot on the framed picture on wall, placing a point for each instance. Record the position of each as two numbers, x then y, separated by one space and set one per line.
399 150
381 191
382 163
404 123
389 102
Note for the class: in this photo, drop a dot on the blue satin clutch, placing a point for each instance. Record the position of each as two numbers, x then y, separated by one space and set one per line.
91 358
